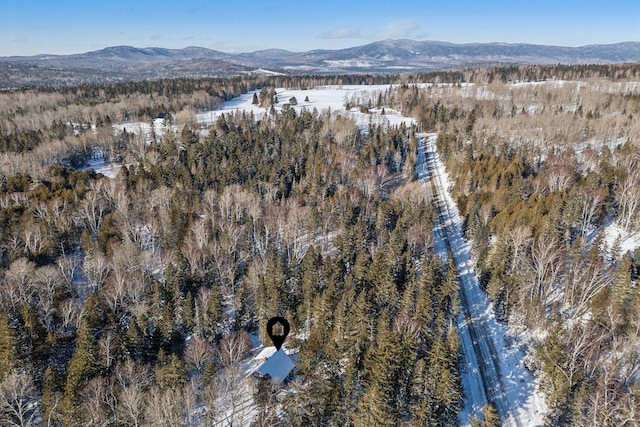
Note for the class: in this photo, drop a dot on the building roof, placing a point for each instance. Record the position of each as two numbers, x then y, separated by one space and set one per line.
265 353
277 367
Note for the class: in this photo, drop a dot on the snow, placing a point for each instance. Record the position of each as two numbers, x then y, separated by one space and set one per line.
615 235
321 98
266 353
277 367
158 128
522 397
101 165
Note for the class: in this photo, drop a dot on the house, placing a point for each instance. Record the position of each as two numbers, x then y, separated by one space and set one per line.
275 365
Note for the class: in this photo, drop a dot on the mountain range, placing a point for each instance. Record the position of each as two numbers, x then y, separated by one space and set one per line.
126 63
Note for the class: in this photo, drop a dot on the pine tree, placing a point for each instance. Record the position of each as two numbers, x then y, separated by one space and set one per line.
214 305
373 409
171 372
443 360
52 396
8 346
134 341
421 395
84 366
621 289
380 276
382 368
273 298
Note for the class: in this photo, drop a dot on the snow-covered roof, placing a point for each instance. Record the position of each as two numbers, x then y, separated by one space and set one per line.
277 367
266 353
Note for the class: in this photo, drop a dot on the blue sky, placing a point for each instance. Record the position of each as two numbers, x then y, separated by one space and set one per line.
29 27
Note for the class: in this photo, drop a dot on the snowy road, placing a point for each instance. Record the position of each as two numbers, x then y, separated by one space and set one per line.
492 373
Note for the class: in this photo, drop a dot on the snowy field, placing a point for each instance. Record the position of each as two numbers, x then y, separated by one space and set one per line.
321 98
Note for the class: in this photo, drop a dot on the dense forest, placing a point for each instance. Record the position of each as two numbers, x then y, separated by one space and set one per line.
136 300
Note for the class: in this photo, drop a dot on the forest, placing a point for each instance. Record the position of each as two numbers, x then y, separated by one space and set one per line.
137 300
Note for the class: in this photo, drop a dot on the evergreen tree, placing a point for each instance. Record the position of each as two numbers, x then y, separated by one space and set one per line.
84 366
52 397
380 275
382 374
8 346
171 372
621 289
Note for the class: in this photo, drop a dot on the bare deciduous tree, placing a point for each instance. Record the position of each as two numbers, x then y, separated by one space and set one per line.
96 269
18 405
198 354
132 381
98 402
48 281
547 263
93 209
582 283
227 399
628 196
592 201
18 288
164 408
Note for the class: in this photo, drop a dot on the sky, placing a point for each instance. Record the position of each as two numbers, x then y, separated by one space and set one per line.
29 27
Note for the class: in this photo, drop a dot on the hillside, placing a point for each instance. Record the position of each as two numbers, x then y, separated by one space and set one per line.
126 63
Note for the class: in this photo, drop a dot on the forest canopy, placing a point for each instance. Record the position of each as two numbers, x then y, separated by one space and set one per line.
138 299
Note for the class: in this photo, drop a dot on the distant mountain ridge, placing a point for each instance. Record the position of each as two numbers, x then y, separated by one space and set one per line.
126 63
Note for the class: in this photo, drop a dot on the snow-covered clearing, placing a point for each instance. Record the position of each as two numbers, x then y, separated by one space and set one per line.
321 98
157 127
102 165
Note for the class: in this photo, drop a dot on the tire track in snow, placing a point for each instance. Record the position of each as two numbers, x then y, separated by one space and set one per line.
483 381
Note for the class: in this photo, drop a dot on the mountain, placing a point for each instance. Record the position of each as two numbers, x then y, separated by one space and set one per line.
119 56
126 63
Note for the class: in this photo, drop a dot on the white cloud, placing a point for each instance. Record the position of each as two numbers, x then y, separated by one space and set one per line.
405 28
342 33
398 29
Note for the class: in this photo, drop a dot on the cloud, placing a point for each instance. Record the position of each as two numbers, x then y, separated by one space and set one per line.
405 28
156 37
342 33
398 29
22 39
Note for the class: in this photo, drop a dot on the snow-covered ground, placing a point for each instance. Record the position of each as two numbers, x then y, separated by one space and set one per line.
158 128
617 238
321 98
101 165
521 400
